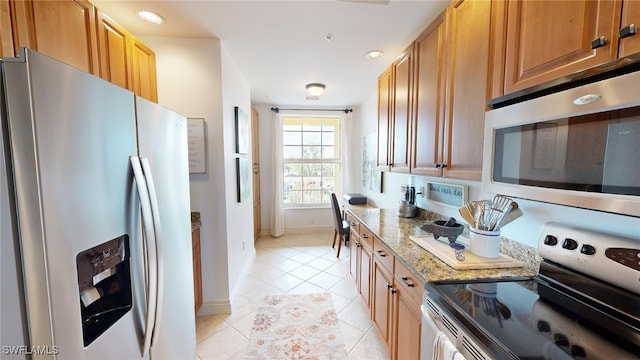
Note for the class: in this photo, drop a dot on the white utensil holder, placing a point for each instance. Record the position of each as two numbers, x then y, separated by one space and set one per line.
484 243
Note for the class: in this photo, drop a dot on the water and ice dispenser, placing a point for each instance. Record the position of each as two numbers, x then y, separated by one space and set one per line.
104 285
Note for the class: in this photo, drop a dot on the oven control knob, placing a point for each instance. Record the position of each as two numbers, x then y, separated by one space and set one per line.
587 249
569 244
543 326
561 339
550 240
578 352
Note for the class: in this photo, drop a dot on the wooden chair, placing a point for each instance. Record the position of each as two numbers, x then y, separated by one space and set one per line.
342 226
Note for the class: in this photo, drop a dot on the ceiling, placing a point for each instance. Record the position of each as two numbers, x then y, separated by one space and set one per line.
280 46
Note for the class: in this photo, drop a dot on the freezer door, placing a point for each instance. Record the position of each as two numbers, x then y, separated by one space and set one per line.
162 139
71 138
12 315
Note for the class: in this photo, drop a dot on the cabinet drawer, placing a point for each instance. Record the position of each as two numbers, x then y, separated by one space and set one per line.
383 254
408 284
354 225
366 237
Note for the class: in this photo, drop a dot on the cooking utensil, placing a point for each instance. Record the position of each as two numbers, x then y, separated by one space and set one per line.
466 212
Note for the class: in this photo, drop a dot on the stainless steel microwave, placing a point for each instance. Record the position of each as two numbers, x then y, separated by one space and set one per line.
578 147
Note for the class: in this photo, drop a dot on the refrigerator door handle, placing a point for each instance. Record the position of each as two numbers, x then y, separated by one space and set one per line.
155 211
150 263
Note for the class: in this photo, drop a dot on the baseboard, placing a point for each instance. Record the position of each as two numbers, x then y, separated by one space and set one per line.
216 307
299 230
306 230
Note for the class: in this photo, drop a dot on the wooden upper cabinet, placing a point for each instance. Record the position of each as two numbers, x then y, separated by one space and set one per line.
550 39
385 96
115 52
64 30
429 94
467 88
630 15
144 71
6 32
402 102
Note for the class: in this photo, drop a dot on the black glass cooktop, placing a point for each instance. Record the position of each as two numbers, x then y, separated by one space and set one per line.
514 319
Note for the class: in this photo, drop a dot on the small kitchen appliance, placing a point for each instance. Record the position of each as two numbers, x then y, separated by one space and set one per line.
581 305
407 207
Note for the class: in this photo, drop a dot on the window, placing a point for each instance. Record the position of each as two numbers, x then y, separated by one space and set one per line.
311 157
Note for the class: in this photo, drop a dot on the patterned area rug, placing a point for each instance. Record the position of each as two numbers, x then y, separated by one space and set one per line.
296 327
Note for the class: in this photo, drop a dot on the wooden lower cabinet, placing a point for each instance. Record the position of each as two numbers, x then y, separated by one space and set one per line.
197 268
396 296
383 292
407 328
364 278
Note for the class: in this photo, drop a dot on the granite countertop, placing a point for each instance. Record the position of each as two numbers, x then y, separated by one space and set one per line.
395 232
195 221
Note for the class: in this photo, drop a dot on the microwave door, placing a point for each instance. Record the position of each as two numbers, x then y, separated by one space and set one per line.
618 158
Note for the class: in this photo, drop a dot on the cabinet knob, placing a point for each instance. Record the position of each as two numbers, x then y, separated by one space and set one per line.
628 30
438 166
389 286
381 253
393 291
599 42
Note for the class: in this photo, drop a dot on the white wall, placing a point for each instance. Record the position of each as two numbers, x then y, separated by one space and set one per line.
239 224
524 230
197 79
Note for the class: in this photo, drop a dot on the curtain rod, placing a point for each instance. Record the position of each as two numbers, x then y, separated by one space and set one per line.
346 111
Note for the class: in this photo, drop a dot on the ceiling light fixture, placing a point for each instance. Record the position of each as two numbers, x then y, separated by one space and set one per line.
315 89
374 54
151 17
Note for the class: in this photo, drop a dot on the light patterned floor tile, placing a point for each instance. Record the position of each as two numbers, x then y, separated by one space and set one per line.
282 265
370 348
222 345
324 280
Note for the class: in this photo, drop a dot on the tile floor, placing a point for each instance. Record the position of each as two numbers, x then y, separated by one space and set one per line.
293 264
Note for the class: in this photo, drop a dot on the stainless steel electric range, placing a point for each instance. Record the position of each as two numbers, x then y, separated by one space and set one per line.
583 304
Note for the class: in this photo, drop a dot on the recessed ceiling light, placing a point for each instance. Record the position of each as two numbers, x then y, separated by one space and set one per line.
151 17
374 54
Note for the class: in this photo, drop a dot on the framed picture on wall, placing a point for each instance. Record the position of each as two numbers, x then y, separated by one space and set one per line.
242 131
243 175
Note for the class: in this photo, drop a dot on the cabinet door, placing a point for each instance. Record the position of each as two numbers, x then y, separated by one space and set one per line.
402 102
385 95
115 52
467 89
6 32
407 327
550 39
144 71
630 15
197 269
64 30
382 285
354 247
426 138
364 274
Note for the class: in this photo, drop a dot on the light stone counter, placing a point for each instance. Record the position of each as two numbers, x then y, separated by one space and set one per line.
395 232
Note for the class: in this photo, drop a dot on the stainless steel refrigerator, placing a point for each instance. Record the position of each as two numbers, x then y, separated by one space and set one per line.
95 222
